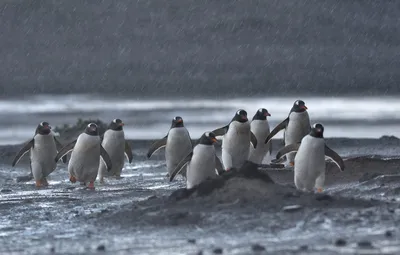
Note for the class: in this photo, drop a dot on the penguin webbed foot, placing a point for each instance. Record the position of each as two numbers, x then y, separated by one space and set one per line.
91 185
72 179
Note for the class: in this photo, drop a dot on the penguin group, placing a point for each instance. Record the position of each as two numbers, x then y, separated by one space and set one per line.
92 154
242 140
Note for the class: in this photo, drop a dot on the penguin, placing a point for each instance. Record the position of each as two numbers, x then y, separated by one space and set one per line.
202 163
177 145
296 125
43 147
236 140
309 162
86 152
113 141
260 128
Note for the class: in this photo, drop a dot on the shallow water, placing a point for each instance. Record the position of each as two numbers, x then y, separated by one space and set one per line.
68 219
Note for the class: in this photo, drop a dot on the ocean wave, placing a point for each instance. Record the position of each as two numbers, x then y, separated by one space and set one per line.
345 108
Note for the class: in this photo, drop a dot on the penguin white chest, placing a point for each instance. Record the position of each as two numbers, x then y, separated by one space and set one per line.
84 162
261 130
114 144
42 156
298 127
201 166
235 145
309 162
178 146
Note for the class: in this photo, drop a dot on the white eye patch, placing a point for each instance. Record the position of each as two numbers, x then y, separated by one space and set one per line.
260 110
91 124
115 120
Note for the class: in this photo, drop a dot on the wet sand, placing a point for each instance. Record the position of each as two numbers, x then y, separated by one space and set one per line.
242 212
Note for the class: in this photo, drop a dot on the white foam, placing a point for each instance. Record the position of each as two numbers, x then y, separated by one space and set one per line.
347 116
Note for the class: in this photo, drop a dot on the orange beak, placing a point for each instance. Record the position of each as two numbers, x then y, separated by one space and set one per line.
305 107
180 120
214 140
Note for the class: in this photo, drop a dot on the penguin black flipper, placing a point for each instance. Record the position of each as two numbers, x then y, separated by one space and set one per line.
289 148
219 166
180 166
221 131
156 146
67 148
253 139
128 151
335 157
30 144
59 147
270 148
106 158
278 128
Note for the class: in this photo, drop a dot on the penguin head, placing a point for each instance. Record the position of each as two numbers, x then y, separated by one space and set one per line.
261 114
116 125
240 116
317 130
91 129
299 106
177 122
43 128
208 138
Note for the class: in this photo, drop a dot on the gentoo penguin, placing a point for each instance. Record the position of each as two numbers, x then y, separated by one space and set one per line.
202 162
260 128
177 145
309 162
86 151
43 148
236 140
296 125
113 141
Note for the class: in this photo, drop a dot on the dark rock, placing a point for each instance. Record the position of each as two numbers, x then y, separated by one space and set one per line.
257 247
303 247
340 242
365 244
217 251
199 253
101 247
323 197
388 233
191 240
291 194
181 194
52 250
249 170
5 190
292 208
152 197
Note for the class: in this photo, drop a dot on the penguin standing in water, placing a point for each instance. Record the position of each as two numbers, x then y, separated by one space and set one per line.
177 145
296 125
43 148
236 140
309 162
260 128
117 147
202 163
86 152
